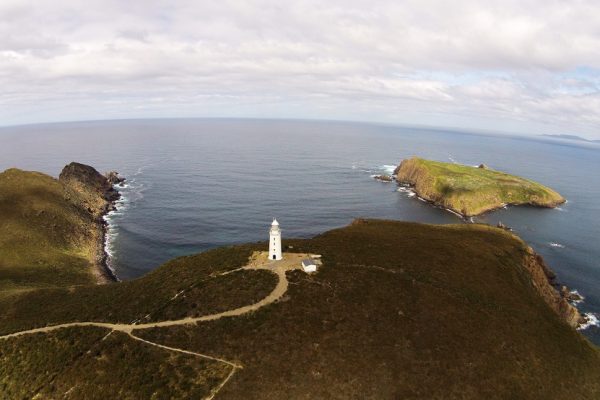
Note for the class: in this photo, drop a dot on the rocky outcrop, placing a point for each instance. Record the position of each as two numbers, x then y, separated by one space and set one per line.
383 178
543 279
114 178
96 189
96 194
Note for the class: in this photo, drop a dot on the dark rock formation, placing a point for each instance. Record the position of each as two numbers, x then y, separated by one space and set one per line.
570 296
543 279
94 193
383 178
483 166
503 226
96 188
114 178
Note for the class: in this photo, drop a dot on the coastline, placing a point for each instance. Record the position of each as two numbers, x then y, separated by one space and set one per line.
491 208
102 270
107 273
99 195
112 196
558 296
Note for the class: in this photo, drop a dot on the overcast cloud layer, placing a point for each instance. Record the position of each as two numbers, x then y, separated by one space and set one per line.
521 66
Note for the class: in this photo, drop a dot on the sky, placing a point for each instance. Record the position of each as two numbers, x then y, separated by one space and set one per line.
527 66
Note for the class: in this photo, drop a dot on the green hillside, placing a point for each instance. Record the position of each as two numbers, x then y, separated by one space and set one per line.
471 191
398 310
46 236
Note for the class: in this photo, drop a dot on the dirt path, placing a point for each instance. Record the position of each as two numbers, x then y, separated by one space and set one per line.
258 261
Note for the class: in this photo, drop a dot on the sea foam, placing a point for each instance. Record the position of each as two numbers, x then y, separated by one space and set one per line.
592 320
388 168
576 294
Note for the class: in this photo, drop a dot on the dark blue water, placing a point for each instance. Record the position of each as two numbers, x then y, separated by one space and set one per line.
197 184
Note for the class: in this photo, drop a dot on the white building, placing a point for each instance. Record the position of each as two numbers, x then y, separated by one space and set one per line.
309 265
275 241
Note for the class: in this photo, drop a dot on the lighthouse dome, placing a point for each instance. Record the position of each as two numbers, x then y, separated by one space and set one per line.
275 223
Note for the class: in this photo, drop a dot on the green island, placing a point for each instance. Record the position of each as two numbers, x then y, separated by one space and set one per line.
397 310
471 191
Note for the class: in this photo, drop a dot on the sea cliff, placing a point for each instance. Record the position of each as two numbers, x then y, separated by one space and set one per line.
471 191
97 195
544 281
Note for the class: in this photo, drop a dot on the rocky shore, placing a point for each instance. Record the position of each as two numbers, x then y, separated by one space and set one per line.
97 195
558 297
384 178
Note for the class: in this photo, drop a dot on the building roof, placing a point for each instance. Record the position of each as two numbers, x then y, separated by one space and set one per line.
308 261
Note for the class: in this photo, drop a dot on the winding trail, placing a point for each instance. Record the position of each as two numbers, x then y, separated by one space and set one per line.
258 261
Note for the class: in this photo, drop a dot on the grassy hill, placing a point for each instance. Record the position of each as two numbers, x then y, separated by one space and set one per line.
47 239
408 311
398 310
471 191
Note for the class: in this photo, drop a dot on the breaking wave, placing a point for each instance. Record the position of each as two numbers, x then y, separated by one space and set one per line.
131 191
592 320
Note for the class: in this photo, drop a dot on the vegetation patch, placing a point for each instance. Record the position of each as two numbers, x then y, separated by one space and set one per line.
90 363
186 286
120 367
29 364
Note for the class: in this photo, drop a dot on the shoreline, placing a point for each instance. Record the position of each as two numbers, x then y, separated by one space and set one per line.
436 203
106 274
562 304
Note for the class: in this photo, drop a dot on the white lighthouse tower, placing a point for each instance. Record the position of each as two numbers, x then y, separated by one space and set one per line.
275 241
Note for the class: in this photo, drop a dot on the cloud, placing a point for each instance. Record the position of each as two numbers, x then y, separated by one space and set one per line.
529 65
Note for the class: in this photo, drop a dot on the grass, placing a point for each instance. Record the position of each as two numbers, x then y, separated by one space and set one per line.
402 310
29 363
472 191
85 363
149 298
45 238
122 368
398 310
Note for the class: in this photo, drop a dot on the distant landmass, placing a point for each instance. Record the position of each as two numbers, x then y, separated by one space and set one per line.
469 190
572 137
396 310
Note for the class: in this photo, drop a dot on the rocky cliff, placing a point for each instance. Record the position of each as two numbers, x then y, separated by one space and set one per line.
96 194
543 279
96 189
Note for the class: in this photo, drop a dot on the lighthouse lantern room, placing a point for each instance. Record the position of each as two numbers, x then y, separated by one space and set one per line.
275 241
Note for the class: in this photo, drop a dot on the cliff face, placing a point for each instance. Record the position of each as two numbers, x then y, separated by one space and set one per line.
543 280
93 192
95 189
410 171
471 191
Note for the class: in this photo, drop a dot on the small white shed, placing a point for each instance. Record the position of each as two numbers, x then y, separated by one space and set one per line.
309 265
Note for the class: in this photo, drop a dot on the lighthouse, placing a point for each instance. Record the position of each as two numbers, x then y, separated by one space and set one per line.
275 241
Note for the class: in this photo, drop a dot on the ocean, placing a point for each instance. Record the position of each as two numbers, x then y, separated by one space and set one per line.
196 184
